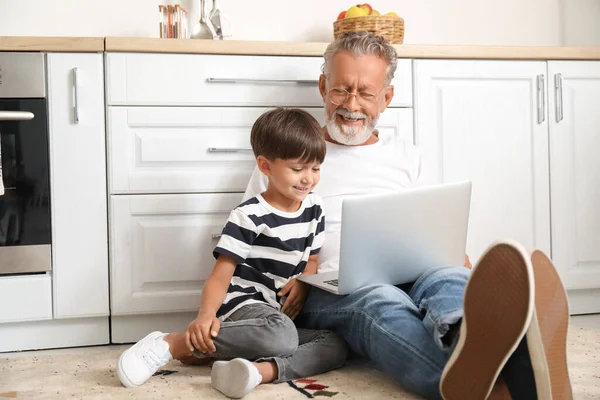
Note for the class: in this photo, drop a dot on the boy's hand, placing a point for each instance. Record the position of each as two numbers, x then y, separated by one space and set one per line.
200 332
296 292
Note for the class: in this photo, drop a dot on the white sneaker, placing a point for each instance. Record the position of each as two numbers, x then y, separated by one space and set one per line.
139 362
235 378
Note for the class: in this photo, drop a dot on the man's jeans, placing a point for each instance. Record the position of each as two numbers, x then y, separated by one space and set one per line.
258 332
399 330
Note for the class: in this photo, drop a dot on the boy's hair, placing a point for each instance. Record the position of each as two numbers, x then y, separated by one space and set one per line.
288 134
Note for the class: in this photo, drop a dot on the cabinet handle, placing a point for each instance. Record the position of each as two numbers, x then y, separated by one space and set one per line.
264 81
75 96
541 99
216 236
228 149
16 115
558 92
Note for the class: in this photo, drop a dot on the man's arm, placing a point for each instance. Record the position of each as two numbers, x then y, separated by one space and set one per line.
257 184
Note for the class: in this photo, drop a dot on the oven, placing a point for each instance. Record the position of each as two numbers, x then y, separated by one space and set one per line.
25 221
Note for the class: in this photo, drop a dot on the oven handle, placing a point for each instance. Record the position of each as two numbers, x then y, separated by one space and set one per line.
16 115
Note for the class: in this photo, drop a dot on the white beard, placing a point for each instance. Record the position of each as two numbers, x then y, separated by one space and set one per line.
350 135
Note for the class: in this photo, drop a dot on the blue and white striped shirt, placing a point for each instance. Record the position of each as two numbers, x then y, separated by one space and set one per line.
271 247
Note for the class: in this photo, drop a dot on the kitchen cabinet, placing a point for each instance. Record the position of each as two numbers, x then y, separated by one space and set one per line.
146 79
78 185
179 160
487 122
575 179
162 249
69 305
525 134
170 197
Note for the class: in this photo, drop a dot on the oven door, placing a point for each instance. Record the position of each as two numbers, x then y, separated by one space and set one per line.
25 231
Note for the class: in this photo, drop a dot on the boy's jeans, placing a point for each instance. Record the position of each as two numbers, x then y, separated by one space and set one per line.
400 330
258 332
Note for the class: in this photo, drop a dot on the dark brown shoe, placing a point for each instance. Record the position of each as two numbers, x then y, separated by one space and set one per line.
550 327
498 308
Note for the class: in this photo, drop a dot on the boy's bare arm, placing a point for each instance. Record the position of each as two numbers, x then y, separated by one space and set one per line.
200 331
215 288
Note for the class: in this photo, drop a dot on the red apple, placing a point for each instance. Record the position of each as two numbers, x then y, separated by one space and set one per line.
342 15
367 6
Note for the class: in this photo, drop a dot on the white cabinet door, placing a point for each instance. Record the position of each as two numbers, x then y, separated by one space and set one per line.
485 121
161 249
575 179
78 185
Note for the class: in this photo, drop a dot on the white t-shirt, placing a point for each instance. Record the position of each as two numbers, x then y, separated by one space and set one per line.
389 165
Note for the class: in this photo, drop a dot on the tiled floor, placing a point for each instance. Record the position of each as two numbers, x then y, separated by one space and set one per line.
591 321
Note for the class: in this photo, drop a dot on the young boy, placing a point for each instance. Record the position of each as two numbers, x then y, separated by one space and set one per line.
252 295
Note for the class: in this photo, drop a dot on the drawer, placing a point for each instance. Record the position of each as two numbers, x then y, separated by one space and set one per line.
161 249
181 149
225 80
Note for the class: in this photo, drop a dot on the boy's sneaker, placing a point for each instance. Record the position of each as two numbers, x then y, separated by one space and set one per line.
498 308
139 362
235 378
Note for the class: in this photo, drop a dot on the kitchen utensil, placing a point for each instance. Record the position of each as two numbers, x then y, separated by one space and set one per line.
220 21
204 28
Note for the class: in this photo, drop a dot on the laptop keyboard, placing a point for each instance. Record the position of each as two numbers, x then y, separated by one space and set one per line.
333 282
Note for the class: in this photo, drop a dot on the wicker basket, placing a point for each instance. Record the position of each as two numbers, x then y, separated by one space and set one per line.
390 27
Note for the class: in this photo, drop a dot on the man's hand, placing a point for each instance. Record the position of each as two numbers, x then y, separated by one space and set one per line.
296 292
200 332
468 262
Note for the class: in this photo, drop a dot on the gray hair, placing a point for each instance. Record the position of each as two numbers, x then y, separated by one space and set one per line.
359 44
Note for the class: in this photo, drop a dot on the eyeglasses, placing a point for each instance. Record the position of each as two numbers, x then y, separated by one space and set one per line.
340 96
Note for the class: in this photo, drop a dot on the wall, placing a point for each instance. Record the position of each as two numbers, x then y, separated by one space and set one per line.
581 22
485 22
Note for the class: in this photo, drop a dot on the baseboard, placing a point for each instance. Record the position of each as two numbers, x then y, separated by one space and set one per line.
131 328
52 334
585 301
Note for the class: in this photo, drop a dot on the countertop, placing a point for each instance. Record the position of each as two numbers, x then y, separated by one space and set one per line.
189 46
148 45
50 43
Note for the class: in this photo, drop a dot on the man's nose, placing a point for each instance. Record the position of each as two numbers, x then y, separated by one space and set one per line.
352 102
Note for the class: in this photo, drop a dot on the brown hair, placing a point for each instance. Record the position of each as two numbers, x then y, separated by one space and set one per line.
288 134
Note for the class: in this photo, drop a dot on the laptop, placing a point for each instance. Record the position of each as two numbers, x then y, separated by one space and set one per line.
395 238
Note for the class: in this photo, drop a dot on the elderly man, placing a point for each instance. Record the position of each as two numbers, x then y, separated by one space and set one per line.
452 332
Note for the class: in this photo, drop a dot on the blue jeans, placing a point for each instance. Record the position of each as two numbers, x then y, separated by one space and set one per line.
399 329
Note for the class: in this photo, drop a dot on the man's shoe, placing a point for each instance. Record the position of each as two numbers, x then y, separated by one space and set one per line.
498 307
550 326
139 362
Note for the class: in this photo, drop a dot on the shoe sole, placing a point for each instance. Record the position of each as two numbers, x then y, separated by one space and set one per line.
552 319
230 377
498 307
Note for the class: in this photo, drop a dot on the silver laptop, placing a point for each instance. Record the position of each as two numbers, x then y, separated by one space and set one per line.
394 238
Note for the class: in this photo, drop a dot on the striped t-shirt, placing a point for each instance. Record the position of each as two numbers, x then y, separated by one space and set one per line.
271 247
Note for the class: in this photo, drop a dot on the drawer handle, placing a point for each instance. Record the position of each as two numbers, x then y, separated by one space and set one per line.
216 236
16 115
311 82
228 149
